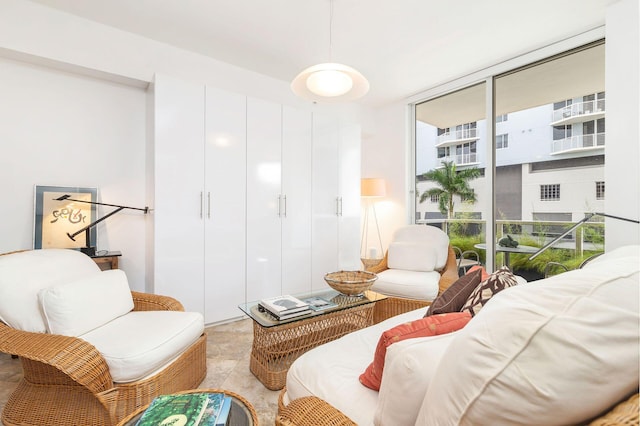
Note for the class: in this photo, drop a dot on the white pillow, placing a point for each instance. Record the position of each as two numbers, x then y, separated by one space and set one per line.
617 253
556 351
78 307
411 256
23 275
408 368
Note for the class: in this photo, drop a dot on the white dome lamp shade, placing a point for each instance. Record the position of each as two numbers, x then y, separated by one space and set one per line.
330 82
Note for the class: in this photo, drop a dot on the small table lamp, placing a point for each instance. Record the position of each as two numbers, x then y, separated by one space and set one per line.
370 189
88 249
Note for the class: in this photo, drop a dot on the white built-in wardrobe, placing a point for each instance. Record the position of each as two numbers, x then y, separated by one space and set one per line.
250 198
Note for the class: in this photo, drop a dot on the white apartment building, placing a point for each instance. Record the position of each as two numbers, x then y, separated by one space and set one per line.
549 162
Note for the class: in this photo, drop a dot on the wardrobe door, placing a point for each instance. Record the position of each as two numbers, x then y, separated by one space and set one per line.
326 203
296 197
265 204
178 204
225 204
349 190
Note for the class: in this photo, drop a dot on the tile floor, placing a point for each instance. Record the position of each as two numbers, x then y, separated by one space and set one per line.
228 350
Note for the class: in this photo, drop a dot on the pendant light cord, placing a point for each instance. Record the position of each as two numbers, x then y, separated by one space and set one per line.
330 30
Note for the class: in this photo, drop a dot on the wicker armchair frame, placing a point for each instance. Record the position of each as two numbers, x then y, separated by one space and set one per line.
67 381
313 411
392 306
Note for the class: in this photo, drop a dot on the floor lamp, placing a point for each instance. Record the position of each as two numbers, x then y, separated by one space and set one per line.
370 190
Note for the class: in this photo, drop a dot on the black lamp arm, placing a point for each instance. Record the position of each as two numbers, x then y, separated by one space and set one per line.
587 217
68 197
91 250
92 224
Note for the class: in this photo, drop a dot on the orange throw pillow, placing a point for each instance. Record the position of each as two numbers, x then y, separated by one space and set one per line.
423 327
485 274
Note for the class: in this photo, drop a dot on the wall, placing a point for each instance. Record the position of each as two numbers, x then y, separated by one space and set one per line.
385 154
622 150
61 129
60 44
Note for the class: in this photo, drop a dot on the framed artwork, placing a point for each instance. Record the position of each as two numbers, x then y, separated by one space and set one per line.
55 219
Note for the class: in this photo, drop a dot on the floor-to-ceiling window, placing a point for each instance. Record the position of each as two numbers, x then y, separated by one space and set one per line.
545 162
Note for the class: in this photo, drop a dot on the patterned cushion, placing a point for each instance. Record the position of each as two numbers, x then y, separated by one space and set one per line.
455 297
423 327
496 282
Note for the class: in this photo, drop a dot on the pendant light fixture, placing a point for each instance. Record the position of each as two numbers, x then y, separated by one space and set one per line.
330 82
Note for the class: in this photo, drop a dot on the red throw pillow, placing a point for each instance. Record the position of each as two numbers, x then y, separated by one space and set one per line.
485 274
423 327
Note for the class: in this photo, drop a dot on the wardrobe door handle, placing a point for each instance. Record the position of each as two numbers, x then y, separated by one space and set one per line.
285 206
340 206
209 205
279 199
201 204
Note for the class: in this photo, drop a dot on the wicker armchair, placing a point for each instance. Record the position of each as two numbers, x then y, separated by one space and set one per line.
392 306
66 381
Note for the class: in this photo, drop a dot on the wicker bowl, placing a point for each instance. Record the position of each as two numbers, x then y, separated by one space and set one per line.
351 283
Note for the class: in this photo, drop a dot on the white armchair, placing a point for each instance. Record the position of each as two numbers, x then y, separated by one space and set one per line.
419 264
92 351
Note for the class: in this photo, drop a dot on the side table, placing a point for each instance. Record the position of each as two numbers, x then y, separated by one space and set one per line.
242 412
106 260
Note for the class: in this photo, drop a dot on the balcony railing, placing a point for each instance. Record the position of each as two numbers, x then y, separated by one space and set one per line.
590 236
579 109
457 135
459 159
579 142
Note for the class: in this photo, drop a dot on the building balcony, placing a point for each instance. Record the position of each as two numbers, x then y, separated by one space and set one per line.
579 143
579 113
456 137
470 159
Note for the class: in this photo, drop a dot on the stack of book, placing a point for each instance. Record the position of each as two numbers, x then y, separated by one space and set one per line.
188 409
285 307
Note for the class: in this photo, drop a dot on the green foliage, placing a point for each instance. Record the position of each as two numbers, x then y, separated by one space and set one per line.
467 243
449 182
564 256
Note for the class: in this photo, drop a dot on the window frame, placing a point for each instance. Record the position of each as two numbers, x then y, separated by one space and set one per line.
485 76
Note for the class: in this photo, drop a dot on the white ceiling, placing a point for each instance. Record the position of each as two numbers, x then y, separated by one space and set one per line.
402 46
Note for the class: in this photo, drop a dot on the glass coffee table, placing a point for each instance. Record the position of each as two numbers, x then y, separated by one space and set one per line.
242 412
276 344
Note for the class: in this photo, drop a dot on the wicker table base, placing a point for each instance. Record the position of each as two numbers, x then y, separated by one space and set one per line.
275 348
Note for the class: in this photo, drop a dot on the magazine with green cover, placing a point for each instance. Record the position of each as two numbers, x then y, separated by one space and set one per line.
175 410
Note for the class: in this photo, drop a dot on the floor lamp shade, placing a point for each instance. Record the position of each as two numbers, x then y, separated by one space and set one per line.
373 187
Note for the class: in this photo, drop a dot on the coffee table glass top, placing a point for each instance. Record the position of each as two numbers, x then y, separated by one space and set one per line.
242 412
342 302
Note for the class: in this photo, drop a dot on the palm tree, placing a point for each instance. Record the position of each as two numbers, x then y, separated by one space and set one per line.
450 182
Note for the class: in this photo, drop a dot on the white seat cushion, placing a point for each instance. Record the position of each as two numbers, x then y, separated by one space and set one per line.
141 342
408 284
23 275
345 359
